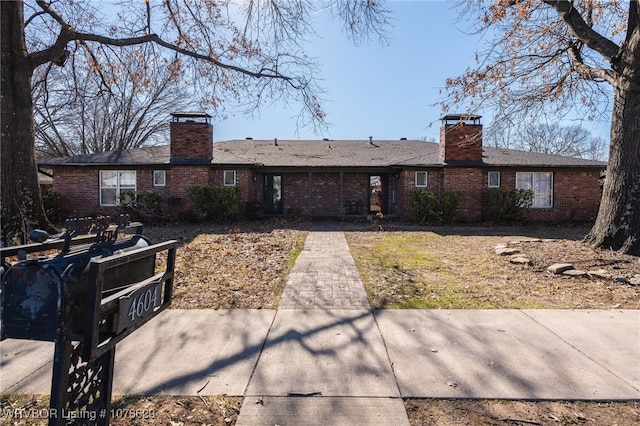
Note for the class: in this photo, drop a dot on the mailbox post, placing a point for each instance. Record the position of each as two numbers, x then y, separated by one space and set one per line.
94 293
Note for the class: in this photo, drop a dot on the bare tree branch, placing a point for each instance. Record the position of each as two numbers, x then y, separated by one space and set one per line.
582 30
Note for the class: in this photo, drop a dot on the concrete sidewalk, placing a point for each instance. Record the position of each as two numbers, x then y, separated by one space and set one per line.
324 358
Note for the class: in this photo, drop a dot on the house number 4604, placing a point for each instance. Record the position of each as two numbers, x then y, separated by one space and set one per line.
143 303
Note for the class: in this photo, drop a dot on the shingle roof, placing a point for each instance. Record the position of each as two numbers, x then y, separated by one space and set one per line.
324 153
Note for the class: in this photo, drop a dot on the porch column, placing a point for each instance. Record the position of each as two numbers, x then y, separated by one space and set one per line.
341 202
310 181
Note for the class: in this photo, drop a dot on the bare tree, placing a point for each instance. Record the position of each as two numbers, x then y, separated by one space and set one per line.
562 56
251 63
76 113
570 141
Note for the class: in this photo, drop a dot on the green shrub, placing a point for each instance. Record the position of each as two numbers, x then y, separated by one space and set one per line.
215 203
506 206
437 207
52 201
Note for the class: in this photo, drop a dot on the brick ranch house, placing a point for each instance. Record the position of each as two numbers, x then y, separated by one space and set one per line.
328 177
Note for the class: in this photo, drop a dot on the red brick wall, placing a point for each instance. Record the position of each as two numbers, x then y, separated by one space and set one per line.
179 179
80 192
406 182
461 142
356 189
191 140
472 181
324 193
80 188
576 193
295 193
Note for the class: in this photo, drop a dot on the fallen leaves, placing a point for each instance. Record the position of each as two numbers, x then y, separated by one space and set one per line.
464 271
223 268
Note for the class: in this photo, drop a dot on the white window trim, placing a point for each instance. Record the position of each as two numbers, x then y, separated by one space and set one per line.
533 174
164 178
489 180
426 179
224 178
117 187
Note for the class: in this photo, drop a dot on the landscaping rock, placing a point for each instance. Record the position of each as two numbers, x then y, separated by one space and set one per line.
507 251
600 273
500 246
528 240
574 273
520 260
635 280
559 268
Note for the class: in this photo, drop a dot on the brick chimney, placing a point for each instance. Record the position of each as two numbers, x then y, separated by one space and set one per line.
461 138
191 138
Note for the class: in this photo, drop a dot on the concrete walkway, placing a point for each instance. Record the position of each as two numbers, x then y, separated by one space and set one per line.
323 357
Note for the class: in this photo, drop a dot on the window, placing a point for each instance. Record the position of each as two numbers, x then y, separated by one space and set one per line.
159 178
421 179
541 183
115 182
494 179
229 178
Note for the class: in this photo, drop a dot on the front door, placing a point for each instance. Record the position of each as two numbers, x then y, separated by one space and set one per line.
377 185
273 194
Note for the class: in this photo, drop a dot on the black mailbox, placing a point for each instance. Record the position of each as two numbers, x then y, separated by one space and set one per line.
84 287
86 298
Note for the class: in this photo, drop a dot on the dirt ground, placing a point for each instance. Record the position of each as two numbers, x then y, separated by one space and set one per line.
246 266
458 268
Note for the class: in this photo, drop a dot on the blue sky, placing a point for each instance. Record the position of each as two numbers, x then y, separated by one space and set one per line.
386 92
371 90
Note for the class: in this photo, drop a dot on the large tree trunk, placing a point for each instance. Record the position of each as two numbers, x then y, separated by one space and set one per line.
21 202
618 223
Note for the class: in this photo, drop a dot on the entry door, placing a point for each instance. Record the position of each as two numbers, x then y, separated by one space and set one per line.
377 196
273 194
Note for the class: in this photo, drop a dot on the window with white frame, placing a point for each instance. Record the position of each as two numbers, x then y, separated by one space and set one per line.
159 178
541 183
421 179
229 178
114 183
494 180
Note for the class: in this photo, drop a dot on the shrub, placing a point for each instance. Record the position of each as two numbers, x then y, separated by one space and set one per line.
52 201
189 216
502 205
434 207
151 201
254 210
215 203
142 206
